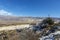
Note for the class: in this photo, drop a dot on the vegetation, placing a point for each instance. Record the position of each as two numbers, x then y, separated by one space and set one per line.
45 28
25 34
48 21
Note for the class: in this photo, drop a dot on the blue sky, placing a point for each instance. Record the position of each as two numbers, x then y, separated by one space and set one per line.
41 8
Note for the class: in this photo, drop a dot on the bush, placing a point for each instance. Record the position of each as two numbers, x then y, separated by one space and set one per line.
48 21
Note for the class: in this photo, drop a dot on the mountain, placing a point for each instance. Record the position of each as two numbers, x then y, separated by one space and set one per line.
20 20
17 20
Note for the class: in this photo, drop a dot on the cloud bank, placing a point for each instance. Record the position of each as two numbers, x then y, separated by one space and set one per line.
3 12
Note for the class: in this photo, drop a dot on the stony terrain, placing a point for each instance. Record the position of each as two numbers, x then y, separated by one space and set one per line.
44 30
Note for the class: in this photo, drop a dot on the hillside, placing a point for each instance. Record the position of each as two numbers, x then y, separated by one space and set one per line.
18 20
13 20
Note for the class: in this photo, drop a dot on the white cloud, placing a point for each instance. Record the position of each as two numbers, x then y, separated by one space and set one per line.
3 12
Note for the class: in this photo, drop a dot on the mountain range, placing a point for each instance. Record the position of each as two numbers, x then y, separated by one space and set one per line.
19 19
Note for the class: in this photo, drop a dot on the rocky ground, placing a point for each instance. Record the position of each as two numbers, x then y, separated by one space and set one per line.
47 30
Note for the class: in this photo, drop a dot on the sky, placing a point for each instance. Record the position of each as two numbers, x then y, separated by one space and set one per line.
35 8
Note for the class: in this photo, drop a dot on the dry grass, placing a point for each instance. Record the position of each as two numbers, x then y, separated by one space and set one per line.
15 35
15 23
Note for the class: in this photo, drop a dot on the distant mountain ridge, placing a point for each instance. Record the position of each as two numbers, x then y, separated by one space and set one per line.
18 19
